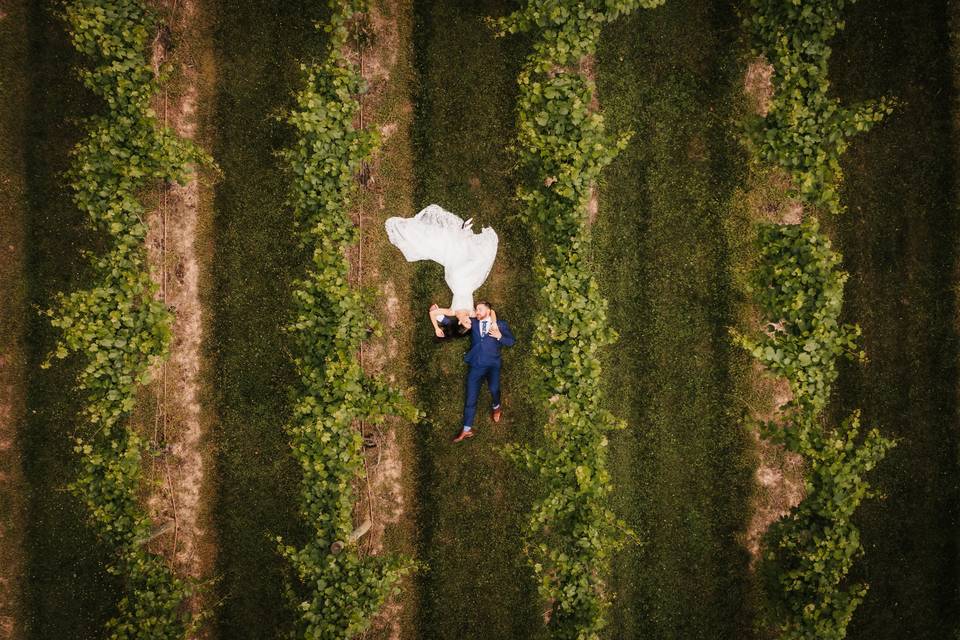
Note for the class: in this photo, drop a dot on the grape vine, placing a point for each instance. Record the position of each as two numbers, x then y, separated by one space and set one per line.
805 130
798 286
338 590
118 326
798 282
563 142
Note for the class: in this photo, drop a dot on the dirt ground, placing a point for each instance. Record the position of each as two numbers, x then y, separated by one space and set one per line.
176 245
779 473
384 494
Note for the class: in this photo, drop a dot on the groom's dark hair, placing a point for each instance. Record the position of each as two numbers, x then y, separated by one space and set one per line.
485 303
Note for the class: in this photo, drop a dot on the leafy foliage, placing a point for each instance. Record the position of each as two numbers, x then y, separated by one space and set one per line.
341 591
806 130
118 325
799 288
563 143
798 283
567 31
816 544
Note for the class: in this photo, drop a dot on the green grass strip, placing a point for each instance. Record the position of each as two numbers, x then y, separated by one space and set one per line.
684 469
899 243
259 46
68 593
471 503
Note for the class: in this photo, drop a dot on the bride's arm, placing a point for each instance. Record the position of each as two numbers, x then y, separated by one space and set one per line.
434 312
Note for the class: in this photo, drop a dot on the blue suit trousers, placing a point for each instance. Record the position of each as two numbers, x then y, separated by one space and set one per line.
475 377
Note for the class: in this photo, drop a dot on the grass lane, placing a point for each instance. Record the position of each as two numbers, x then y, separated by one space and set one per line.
68 593
13 112
258 46
472 503
899 241
683 467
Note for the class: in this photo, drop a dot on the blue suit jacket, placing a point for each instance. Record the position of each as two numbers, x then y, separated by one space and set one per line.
486 351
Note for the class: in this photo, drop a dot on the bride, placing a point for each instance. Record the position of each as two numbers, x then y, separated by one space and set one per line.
467 257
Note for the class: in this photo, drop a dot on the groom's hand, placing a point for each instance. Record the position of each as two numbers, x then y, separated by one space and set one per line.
495 331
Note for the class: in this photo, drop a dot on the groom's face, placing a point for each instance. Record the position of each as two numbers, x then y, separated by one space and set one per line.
482 311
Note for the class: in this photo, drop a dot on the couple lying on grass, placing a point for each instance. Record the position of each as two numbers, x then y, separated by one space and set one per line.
466 257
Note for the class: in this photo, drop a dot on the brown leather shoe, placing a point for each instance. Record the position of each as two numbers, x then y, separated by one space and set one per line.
463 435
496 413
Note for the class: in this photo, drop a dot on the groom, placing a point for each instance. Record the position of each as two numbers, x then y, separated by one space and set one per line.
483 360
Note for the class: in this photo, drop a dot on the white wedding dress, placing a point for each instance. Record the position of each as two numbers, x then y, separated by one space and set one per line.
438 235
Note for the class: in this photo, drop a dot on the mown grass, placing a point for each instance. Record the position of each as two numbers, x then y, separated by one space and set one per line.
899 241
68 594
258 47
472 503
682 469
14 79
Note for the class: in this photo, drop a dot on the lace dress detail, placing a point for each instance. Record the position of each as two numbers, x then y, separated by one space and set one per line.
438 235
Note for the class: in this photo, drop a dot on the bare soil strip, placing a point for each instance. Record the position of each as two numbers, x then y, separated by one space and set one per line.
177 246
779 475
385 58
13 311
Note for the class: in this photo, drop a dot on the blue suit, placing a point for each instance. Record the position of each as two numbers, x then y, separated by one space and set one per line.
483 360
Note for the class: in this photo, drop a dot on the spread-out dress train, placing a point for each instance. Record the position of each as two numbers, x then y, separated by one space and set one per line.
438 235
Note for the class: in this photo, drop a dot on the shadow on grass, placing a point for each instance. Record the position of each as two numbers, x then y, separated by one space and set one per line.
899 241
258 46
472 502
682 469
68 593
